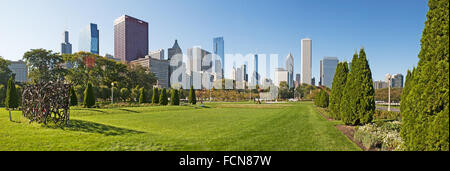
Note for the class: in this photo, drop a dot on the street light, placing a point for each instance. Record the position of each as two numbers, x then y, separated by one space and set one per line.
389 94
112 93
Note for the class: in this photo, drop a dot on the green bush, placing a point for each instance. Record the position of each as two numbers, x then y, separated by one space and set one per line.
388 115
425 111
339 80
73 97
174 98
142 96
12 100
125 94
358 100
89 97
192 99
380 136
155 96
163 97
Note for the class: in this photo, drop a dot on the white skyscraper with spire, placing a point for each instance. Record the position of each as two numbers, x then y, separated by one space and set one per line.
306 61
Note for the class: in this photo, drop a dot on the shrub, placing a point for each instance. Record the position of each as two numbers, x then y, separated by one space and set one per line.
124 94
89 97
382 136
192 98
389 115
175 98
163 97
426 108
155 96
11 101
73 97
339 80
142 96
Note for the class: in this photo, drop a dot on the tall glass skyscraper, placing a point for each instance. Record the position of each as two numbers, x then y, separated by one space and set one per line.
290 69
327 70
218 45
89 39
306 61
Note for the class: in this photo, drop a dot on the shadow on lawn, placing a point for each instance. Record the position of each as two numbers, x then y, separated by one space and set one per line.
92 127
93 110
127 110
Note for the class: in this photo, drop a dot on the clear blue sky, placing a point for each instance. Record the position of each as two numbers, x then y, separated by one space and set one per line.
390 30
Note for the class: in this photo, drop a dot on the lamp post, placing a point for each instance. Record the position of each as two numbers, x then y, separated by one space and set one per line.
112 93
389 94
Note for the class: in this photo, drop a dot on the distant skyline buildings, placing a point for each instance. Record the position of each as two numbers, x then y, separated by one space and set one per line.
290 70
89 39
66 46
328 67
306 51
130 38
219 50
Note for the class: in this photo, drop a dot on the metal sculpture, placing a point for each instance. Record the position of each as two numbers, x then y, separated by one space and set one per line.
46 102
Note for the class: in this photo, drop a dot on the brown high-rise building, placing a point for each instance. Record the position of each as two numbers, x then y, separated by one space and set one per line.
130 38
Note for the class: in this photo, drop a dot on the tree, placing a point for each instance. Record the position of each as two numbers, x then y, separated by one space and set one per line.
142 94
11 101
349 96
2 94
73 97
155 97
124 94
44 65
408 85
163 97
425 114
366 106
89 97
339 81
5 72
175 98
192 99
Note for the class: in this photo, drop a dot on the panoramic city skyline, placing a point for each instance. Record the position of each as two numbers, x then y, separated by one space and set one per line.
391 38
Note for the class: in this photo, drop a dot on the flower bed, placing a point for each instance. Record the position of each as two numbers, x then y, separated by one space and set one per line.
383 136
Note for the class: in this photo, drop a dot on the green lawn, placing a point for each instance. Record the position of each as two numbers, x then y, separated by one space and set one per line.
218 127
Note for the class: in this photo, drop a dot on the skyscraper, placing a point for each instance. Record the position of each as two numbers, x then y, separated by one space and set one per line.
306 61
397 81
290 69
130 38
327 70
89 39
255 71
219 50
66 47
175 50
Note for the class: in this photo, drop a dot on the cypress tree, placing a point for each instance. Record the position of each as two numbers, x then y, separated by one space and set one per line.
142 96
155 96
73 97
175 98
408 84
192 98
349 96
366 104
425 114
89 97
11 101
339 80
163 97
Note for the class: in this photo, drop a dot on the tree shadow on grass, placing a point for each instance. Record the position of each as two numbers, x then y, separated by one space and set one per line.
127 110
93 110
92 127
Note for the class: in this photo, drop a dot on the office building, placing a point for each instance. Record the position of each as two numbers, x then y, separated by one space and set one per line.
157 66
313 81
90 39
380 84
255 73
219 50
281 75
66 47
195 67
172 52
157 54
290 69
20 69
327 70
397 81
130 38
306 47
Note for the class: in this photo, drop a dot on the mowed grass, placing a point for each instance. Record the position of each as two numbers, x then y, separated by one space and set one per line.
215 127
